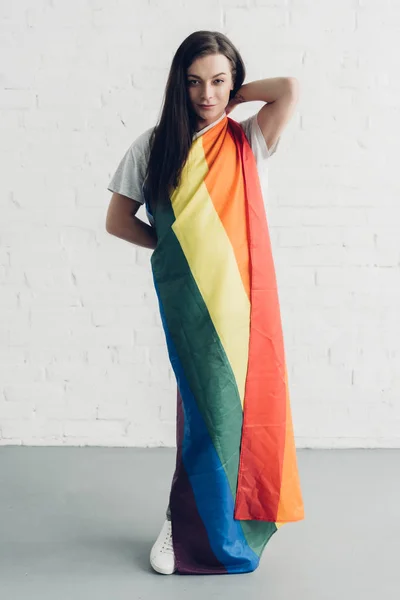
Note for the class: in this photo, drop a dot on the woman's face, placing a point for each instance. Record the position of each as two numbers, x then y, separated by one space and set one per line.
209 82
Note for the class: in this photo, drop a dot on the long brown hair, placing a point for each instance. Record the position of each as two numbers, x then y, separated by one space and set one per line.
172 137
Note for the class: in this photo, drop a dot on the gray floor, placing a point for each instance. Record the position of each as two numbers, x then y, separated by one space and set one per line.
79 523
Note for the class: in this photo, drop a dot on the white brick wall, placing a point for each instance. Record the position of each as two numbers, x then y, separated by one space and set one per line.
82 353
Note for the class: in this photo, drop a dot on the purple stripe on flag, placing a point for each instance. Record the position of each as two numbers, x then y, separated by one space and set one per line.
186 521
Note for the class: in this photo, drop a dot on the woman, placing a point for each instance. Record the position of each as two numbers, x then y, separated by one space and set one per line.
200 176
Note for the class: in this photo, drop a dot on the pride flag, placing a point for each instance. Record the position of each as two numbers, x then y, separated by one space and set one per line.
236 478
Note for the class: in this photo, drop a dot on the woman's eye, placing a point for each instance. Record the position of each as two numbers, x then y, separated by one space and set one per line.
193 81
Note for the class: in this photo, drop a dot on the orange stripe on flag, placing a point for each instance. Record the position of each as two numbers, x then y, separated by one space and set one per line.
226 182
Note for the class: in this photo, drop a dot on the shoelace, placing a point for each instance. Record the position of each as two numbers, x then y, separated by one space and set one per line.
167 545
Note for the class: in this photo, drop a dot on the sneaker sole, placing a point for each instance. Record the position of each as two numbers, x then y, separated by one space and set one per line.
161 570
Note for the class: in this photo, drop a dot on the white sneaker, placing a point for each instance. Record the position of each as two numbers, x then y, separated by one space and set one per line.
162 557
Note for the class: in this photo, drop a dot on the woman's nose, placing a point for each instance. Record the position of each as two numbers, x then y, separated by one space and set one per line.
207 91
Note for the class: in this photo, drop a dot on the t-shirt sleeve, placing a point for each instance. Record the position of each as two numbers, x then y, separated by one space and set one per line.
256 139
129 177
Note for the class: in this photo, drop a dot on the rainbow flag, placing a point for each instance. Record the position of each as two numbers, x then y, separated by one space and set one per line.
236 478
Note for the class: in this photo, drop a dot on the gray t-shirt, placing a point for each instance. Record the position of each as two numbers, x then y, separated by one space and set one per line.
128 179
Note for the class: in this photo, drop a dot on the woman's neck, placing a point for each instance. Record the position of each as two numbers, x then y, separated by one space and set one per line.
201 126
